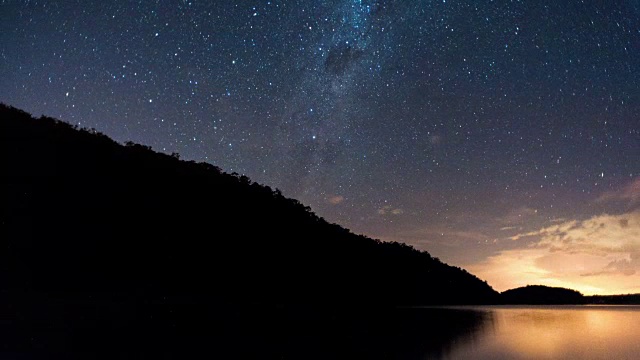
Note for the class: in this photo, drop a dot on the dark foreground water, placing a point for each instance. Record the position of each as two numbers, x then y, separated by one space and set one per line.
46 326
89 326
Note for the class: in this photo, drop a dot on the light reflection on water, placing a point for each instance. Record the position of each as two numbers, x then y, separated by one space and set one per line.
553 332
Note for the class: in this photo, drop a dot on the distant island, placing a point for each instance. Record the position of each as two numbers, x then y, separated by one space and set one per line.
541 295
625 299
546 295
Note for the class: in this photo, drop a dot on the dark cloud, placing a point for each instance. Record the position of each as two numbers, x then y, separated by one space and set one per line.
341 58
628 194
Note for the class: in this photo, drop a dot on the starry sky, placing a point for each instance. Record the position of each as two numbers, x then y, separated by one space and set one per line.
501 136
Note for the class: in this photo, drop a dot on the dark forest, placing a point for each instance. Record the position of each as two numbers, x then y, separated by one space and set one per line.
102 238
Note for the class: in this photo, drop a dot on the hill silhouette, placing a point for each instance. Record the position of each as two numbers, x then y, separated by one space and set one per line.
82 212
541 295
623 299
96 234
546 295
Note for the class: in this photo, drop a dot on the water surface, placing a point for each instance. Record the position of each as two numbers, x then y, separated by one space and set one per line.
46 327
552 332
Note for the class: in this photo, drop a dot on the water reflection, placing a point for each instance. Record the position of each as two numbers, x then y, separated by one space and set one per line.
563 332
60 329
414 333
47 327
405 333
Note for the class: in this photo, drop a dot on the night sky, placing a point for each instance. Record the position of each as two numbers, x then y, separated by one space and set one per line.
500 136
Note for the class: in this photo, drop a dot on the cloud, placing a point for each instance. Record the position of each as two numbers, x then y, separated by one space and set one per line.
389 210
554 230
630 194
335 200
558 220
597 255
625 267
340 59
600 235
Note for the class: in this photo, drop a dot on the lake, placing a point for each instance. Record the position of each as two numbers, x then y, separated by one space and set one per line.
43 327
479 332
550 332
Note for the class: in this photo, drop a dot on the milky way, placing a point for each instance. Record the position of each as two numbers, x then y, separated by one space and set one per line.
456 126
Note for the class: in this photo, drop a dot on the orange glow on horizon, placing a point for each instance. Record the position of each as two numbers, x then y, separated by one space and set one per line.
598 256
